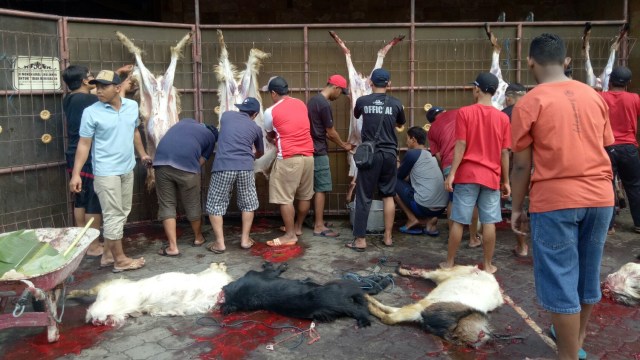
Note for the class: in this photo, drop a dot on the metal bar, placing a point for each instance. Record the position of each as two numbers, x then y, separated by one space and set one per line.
412 64
519 56
28 14
305 35
30 92
129 22
13 169
64 62
625 10
197 63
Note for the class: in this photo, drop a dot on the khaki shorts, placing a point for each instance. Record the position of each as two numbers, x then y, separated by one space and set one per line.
171 181
115 194
290 179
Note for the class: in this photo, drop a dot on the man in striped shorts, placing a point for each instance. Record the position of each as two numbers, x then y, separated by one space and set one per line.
233 164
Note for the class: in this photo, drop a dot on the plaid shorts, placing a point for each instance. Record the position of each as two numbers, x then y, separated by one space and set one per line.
221 189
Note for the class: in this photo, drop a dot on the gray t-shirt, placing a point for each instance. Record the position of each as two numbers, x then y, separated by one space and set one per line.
238 135
426 178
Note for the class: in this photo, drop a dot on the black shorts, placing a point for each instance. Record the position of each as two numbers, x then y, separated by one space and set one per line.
87 199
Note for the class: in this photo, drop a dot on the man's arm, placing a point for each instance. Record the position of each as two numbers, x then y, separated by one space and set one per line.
458 154
407 163
82 153
504 184
520 178
137 142
333 135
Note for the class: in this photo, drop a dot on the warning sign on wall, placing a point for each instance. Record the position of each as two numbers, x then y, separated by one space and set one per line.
36 73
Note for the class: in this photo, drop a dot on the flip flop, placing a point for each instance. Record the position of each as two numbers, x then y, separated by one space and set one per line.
134 265
165 253
250 246
352 245
582 355
195 244
431 233
106 265
327 233
277 243
476 246
403 229
215 251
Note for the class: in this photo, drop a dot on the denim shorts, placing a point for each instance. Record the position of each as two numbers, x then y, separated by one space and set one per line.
567 251
467 196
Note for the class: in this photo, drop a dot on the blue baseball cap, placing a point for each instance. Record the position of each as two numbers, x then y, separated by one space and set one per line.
380 77
433 112
249 104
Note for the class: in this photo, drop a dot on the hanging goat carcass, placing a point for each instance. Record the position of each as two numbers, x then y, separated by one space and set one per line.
159 100
234 87
359 86
601 82
497 100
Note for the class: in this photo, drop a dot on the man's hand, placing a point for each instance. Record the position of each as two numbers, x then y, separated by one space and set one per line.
506 190
146 161
448 183
519 222
348 146
75 185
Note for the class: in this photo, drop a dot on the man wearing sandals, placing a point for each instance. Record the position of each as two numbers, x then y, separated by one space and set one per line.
287 125
422 198
111 126
179 157
562 127
233 165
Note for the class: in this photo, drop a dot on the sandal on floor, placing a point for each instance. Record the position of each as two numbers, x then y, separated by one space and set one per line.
213 250
582 355
134 265
403 229
352 245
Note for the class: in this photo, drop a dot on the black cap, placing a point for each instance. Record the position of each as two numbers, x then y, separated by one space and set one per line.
620 76
487 83
516 88
249 104
106 77
380 77
279 85
433 112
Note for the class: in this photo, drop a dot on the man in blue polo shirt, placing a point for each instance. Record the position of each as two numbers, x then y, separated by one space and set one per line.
111 125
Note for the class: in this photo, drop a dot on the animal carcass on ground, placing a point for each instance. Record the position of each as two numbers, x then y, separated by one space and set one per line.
497 99
601 82
159 100
168 294
234 87
305 299
623 286
456 310
359 86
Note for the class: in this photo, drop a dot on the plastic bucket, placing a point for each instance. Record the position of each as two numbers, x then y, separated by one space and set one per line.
375 222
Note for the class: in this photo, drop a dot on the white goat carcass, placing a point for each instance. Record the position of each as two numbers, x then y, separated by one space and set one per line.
168 294
159 100
497 100
456 310
359 86
234 87
601 82
623 286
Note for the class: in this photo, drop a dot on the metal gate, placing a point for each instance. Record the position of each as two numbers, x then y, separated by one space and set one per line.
432 65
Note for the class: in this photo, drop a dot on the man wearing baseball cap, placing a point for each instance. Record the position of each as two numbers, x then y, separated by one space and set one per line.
377 109
319 110
111 125
233 164
624 109
480 168
287 125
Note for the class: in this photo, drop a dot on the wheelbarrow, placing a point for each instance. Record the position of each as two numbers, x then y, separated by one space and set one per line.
46 288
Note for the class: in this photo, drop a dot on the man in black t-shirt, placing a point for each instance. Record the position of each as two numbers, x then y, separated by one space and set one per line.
374 108
86 203
322 129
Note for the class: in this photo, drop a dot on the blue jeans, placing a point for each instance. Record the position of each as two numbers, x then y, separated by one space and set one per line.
567 251
468 196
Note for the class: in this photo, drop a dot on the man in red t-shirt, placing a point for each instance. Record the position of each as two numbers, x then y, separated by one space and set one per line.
442 141
480 168
624 109
287 125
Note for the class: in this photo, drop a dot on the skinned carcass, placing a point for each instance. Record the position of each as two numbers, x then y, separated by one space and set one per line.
159 100
359 86
497 100
623 286
601 82
234 87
